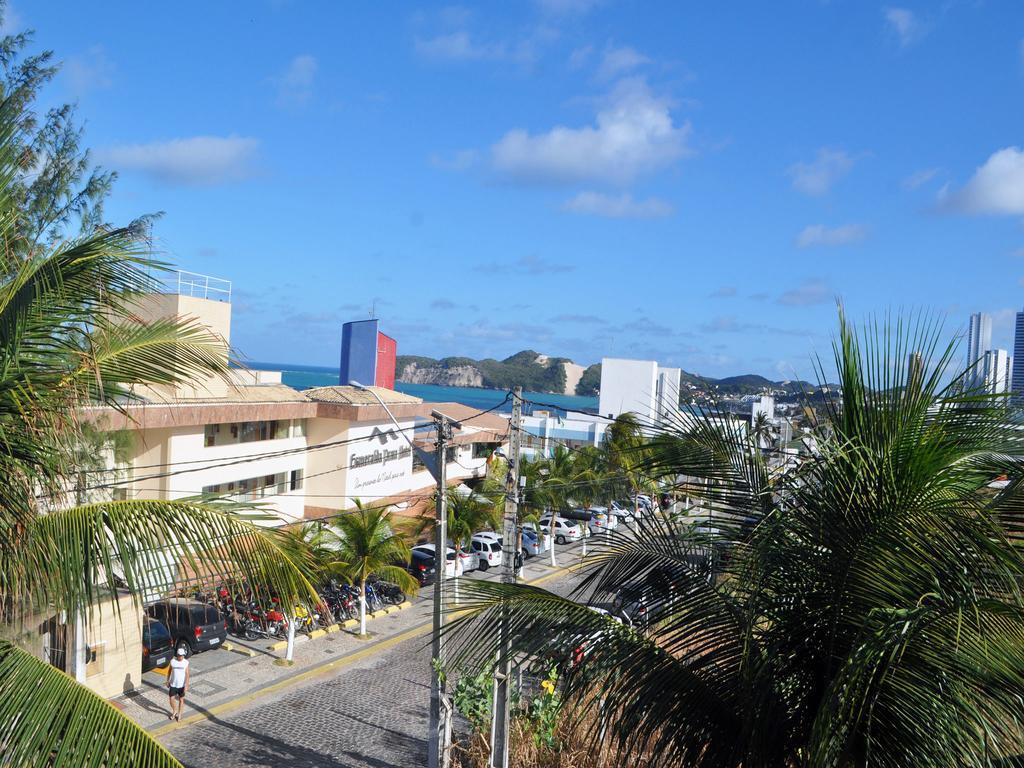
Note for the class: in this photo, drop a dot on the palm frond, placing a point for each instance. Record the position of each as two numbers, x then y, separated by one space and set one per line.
47 719
130 539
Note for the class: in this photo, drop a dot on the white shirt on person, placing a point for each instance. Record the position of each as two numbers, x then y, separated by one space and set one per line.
178 669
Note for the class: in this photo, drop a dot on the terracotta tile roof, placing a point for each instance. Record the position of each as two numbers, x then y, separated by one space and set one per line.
237 393
471 417
355 396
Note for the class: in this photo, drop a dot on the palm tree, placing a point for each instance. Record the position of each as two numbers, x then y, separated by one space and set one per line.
555 488
867 608
626 450
367 546
70 337
761 430
468 513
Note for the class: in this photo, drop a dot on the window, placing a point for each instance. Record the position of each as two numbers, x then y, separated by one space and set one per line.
253 488
244 432
483 450
120 494
296 480
299 428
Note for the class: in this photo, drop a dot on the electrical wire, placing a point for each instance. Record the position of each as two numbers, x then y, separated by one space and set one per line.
206 464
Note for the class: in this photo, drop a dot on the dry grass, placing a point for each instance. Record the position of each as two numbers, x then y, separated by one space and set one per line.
576 748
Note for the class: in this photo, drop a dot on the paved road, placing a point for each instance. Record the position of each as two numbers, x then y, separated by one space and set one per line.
370 714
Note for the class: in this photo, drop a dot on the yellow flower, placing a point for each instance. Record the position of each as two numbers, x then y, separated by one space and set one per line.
548 686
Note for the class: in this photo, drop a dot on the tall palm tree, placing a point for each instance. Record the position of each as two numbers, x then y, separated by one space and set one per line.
867 608
368 545
70 337
556 486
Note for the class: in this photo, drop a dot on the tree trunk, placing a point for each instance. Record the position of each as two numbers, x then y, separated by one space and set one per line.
551 534
455 581
362 607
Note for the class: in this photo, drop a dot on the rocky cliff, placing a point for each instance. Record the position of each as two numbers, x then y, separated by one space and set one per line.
526 369
456 376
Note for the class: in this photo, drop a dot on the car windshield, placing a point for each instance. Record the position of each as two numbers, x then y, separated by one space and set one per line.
157 633
205 614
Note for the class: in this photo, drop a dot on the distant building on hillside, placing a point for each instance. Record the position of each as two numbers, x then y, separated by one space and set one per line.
367 355
763 404
640 387
979 341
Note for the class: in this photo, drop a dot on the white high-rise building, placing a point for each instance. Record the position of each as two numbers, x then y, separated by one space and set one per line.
640 387
996 368
979 341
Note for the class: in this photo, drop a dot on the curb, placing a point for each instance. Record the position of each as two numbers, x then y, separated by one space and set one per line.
239 649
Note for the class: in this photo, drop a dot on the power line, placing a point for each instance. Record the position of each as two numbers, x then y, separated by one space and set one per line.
206 464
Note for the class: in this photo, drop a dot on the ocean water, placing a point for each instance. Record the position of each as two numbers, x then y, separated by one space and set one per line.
306 376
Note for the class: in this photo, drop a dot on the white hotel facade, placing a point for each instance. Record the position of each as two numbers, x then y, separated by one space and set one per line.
303 455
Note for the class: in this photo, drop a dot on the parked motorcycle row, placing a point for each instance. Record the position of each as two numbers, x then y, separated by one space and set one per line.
250 617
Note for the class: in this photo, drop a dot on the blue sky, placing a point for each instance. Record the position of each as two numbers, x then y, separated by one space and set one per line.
690 182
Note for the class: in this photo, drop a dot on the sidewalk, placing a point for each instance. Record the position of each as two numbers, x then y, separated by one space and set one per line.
223 680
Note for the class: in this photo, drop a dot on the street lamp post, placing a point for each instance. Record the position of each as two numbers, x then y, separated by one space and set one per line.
440 704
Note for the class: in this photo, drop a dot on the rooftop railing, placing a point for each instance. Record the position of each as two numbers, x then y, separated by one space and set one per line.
200 286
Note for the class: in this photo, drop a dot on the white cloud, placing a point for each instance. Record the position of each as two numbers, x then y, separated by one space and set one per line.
808 293
997 187
920 178
199 160
634 135
89 71
617 207
295 84
904 24
818 176
618 61
817 235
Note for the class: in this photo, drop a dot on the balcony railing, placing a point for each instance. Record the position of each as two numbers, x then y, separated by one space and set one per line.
200 286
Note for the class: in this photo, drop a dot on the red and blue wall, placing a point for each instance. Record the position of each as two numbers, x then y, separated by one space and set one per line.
367 355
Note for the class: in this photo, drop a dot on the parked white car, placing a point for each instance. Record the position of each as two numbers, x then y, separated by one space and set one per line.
451 568
610 520
469 559
487 547
565 530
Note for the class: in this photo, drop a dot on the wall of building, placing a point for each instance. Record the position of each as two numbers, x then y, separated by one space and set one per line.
628 386
113 648
379 462
186 444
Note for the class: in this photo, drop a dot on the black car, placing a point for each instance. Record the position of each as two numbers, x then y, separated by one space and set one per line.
422 567
193 625
157 645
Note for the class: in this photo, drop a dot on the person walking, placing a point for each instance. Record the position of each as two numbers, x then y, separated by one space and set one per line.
177 683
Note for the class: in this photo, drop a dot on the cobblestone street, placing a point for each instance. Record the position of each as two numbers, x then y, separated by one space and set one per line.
370 715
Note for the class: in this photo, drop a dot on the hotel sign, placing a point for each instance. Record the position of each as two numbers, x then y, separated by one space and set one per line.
379 461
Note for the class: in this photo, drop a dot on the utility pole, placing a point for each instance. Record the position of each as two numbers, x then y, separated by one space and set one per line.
440 703
440 734
509 554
